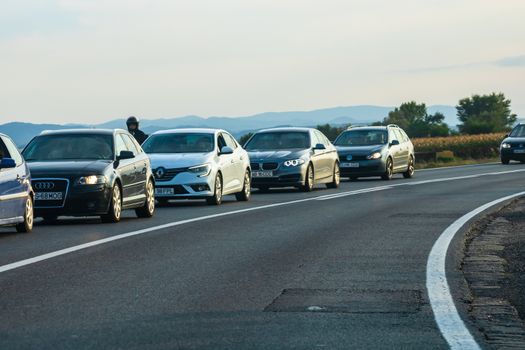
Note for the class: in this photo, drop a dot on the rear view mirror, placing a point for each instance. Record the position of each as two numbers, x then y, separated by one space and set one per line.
319 146
394 143
7 163
126 155
226 150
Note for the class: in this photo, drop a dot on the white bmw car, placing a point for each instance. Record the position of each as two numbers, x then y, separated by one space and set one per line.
198 164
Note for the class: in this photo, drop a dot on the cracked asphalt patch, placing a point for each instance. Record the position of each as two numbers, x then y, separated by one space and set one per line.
494 267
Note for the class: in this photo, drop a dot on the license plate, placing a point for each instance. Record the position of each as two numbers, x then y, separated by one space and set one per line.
48 196
262 174
164 190
519 151
349 165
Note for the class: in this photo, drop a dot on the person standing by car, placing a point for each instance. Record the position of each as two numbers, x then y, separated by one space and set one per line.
133 129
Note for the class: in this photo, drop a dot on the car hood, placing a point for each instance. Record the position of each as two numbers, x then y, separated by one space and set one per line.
258 156
73 168
515 140
179 160
359 150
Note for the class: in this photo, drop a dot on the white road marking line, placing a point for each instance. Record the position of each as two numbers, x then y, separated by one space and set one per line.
458 166
64 251
446 315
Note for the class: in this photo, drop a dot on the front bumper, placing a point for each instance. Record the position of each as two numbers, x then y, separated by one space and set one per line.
89 200
282 177
510 154
374 167
186 185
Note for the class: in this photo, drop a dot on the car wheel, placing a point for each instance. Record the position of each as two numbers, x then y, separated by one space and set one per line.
410 170
246 192
309 179
389 171
115 206
505 161
336 179
216 199
27 225
148 209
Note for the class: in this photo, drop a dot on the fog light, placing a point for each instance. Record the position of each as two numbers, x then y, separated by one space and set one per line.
200 187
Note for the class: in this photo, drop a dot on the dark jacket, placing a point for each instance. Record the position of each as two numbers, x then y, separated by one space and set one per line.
139 135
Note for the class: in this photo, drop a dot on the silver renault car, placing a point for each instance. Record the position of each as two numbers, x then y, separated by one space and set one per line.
198 164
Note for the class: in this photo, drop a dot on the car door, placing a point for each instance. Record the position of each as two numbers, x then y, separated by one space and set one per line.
395 150
126 169
226 164
403 149
238 168
140 166
14 182
330 155
321 159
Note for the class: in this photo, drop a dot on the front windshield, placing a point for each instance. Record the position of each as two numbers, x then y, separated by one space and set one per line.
179 143
278 141
70 147
362 138
518 131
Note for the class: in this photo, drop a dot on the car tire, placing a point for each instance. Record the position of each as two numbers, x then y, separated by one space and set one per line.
389 170
114 213
336 179
148 209
309 180
410 170
216 199
246 192
27 225
505 161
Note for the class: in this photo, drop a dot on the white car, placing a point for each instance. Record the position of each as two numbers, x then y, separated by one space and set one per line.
198 164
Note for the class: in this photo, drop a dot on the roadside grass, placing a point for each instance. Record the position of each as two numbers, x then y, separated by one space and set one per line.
454 162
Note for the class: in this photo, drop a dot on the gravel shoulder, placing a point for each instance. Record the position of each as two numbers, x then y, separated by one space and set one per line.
494 268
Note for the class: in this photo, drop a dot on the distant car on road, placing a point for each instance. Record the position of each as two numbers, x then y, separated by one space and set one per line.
375 151
90 173
513 146
292 157
198 164
16 195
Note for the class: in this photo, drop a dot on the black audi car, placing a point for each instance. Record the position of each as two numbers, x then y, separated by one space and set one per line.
89 173
513 147
292 157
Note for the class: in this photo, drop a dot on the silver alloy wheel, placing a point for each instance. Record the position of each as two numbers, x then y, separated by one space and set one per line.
390 168
150 197
29 213
117 202
337 174
310 177
411 168
218 189
247 184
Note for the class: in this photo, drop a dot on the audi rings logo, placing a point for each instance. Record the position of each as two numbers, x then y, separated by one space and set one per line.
160 172
44 186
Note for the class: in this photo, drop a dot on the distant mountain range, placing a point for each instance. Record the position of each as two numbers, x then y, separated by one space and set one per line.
238 126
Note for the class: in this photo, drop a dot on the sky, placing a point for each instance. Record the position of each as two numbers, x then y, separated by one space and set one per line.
90 61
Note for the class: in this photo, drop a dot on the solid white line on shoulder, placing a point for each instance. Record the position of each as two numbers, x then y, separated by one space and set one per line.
447 317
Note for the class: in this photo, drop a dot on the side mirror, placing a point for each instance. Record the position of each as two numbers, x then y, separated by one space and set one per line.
319 147
394 143
125 155
226 150
7 163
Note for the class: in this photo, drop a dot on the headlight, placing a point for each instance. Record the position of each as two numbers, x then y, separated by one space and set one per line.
294 162
375 155
505 145
202 170
92 180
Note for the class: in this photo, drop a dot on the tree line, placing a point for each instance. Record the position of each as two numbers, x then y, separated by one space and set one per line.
478 114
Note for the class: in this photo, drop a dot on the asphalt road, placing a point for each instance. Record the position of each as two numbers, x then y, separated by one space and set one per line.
315 271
